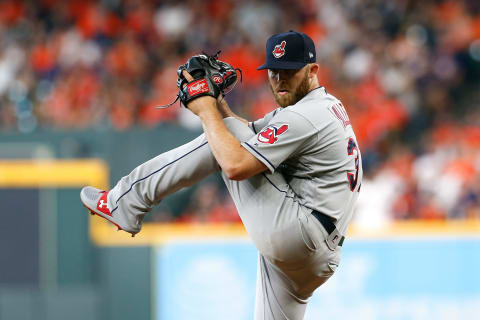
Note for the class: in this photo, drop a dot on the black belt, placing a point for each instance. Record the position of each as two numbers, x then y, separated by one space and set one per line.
327 223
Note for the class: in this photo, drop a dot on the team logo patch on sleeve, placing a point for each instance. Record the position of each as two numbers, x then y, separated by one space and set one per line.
270 134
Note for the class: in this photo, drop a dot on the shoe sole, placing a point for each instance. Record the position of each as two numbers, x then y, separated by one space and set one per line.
93 213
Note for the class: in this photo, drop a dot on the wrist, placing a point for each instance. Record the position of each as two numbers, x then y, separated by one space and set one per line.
208 110
224 109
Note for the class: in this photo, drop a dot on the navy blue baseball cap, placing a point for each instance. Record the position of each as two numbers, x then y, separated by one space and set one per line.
289 50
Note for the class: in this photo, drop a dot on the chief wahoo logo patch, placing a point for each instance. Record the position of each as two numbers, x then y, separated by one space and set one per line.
279 49
270 134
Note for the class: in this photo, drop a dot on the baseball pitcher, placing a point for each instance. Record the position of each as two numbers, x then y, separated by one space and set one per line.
294 175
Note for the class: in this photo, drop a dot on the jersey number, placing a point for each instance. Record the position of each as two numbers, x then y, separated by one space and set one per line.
353 178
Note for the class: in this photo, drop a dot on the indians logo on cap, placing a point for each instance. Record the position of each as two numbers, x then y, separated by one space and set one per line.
270 134
279 49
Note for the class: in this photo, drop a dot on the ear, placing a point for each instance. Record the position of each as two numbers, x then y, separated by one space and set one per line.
314 67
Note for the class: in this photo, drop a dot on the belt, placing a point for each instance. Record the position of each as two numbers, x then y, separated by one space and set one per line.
334 237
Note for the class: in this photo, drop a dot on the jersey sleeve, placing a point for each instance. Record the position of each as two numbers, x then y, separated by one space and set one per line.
259 124
284 136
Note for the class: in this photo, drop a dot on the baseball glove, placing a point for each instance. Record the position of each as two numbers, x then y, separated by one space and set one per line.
211 77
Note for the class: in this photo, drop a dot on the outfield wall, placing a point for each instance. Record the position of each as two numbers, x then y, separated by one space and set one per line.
389 277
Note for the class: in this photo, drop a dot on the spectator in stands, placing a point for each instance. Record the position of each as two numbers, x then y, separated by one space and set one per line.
407 71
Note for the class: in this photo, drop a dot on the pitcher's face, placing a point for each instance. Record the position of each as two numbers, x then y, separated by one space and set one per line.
289 86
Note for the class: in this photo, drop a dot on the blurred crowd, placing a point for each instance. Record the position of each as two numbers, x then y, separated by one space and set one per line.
407 71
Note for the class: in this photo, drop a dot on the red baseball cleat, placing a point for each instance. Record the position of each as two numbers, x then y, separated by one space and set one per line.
95 201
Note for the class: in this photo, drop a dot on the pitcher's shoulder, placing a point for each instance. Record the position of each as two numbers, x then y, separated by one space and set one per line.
317 108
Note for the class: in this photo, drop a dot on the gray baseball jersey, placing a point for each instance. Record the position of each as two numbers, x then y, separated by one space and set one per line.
313 145
314 163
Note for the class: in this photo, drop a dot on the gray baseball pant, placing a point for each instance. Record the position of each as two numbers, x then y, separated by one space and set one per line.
294 259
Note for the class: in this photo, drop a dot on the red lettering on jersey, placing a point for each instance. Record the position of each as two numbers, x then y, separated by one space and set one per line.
270 134
341 114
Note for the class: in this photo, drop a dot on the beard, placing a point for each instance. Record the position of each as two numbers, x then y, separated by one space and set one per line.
293 96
